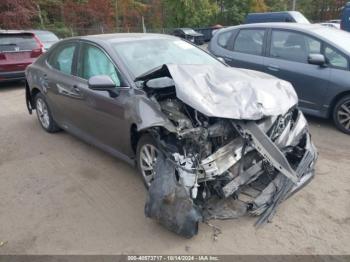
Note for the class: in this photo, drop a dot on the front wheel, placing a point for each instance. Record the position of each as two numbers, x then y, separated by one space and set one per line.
44 114
146 156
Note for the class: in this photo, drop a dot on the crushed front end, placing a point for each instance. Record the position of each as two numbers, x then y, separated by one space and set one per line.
211 167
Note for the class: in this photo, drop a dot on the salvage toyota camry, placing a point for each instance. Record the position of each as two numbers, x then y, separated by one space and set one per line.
210 141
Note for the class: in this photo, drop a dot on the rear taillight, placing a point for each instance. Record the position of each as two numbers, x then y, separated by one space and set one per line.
2 56
38 51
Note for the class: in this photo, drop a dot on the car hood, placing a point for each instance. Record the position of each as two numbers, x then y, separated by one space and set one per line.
225 92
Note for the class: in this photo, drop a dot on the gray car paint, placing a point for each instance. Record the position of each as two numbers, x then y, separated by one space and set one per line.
225 92
92 115
318 88
95 116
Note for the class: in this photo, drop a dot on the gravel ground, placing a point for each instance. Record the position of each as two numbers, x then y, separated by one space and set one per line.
59 195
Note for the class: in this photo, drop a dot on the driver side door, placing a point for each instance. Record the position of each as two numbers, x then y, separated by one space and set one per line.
103 118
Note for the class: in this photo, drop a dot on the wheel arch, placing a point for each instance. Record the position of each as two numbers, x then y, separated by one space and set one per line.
335 101
136 134
30 94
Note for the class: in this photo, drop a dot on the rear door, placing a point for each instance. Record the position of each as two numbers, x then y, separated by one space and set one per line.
17 51
287 59
247 49
60 82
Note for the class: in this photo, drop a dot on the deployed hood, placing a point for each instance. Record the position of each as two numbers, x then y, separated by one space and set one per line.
227 92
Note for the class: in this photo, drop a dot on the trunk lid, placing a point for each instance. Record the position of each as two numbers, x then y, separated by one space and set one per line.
18 50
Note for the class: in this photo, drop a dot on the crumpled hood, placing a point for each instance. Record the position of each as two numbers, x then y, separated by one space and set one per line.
233 93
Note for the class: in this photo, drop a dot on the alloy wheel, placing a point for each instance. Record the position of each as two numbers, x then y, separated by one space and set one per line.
343 115
148 157
43 113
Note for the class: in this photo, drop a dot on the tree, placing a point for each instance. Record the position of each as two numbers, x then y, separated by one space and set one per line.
130 12
259 6
189 13
234 11
16 14
89 17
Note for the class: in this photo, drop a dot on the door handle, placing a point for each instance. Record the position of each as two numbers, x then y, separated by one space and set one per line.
273 68
76 89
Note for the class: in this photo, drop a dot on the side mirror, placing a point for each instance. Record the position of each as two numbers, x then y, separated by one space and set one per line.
221 60
103 83
317 59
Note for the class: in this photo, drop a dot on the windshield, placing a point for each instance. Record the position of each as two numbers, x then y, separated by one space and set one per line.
46 36
145 55
17 42
336 36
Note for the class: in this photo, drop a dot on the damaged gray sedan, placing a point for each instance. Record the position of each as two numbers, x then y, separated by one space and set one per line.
210 141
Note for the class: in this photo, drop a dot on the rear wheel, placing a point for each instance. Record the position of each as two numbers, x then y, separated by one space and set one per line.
146 156
44 114
341 114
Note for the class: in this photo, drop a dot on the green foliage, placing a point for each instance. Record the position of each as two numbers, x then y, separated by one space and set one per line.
189 13
68 17
233 12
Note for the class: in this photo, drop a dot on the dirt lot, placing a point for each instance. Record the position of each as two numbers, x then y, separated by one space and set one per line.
59 195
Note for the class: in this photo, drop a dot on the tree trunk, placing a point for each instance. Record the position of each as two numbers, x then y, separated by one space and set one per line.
40 16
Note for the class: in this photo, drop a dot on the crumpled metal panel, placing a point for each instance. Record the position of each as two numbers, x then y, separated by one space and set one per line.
231 92
169 203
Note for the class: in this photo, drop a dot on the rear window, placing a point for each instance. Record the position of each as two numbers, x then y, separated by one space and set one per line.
47 36
17 42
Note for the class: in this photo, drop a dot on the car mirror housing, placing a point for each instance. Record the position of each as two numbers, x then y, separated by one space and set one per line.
317 59
103 83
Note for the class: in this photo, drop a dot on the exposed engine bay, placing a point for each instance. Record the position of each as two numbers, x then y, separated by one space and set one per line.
211 167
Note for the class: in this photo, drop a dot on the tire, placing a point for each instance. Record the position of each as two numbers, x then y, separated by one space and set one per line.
146 155
44 115
341 114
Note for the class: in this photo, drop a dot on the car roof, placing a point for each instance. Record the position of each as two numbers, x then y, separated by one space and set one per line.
307 28
40 31
15 32
281 25
269 13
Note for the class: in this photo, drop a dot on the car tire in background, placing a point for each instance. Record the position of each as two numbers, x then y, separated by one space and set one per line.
146 156
44 114
341 114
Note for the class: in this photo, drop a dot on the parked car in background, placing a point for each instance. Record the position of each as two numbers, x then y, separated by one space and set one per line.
268 17
208 31
345 18
331 25
190 35
47 38
314 58
17 50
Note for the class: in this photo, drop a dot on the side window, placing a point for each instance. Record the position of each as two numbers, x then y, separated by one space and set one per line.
293 46
223 39
94 62
63 59
336 59
250 41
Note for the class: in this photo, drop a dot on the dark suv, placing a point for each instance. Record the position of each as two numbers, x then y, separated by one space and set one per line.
314 58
